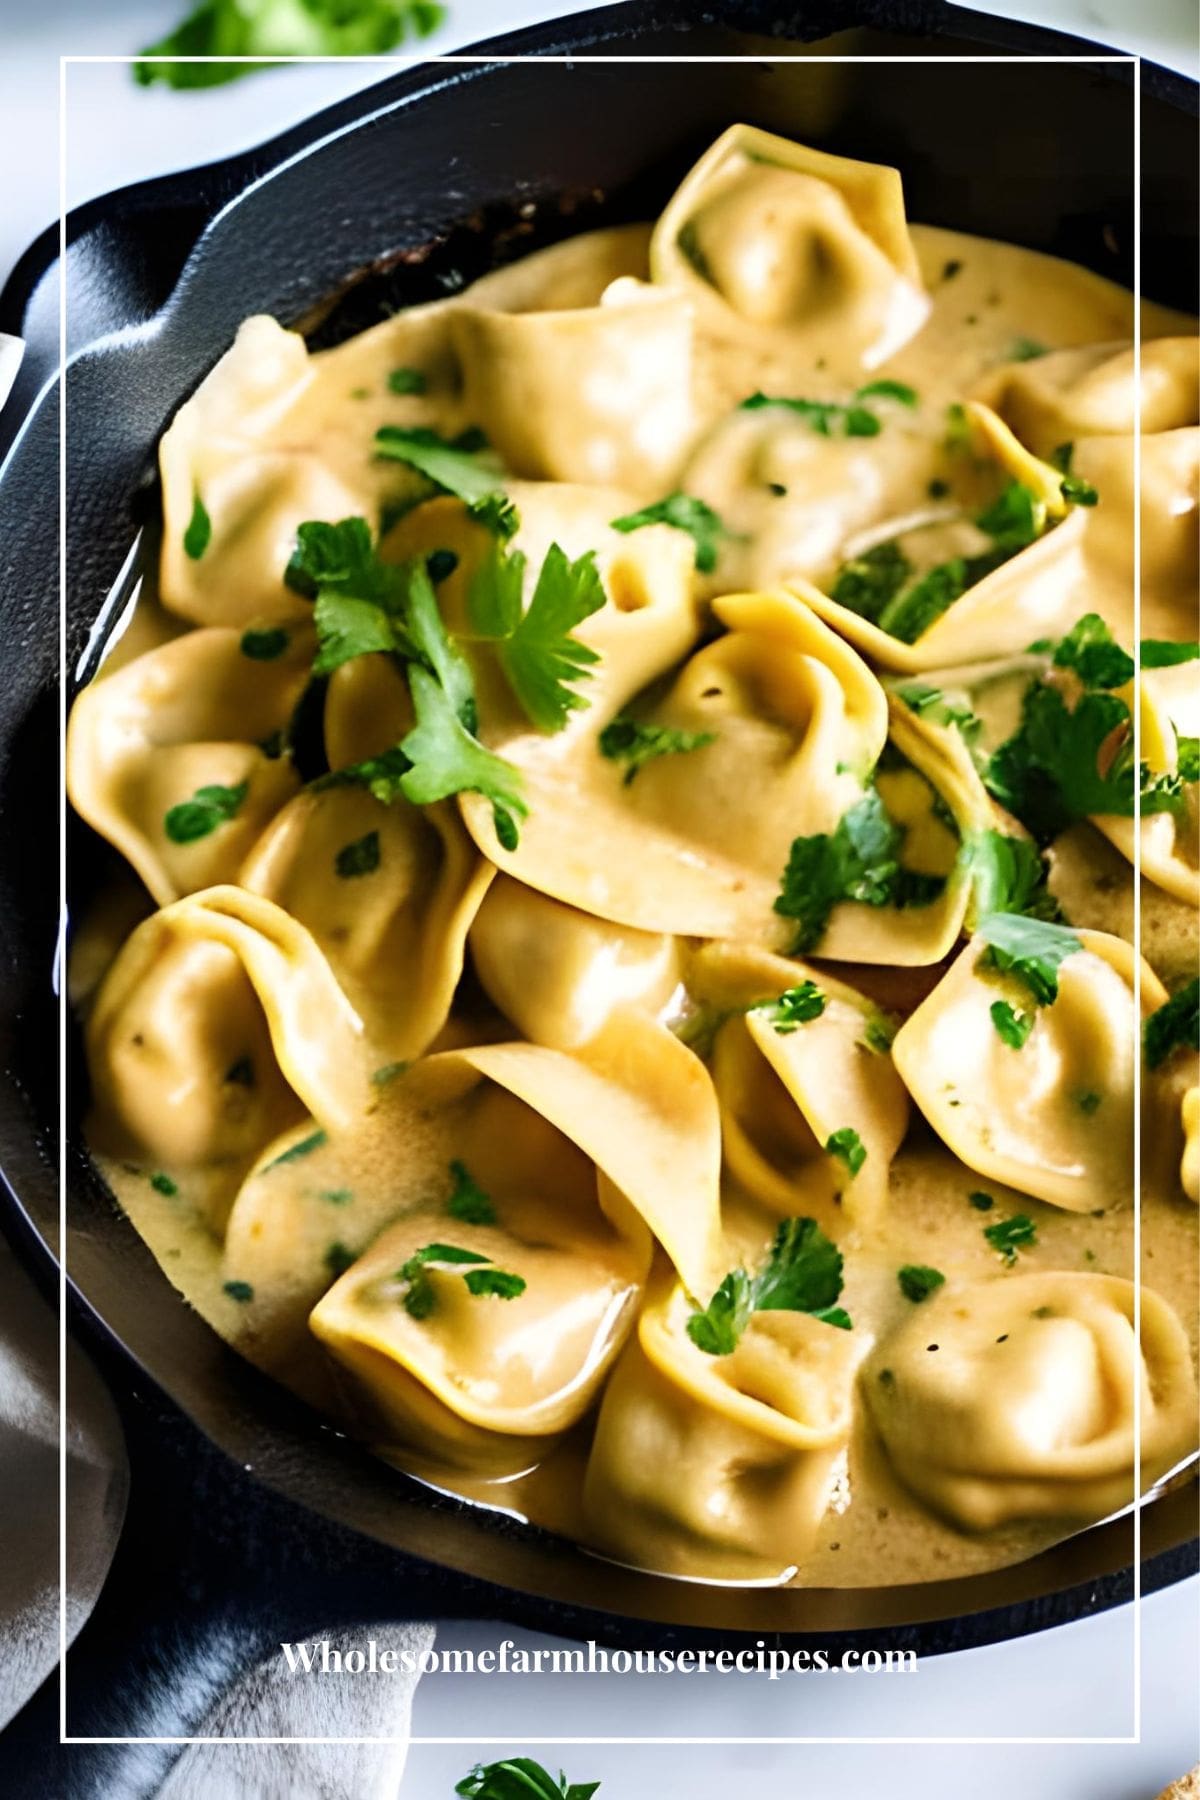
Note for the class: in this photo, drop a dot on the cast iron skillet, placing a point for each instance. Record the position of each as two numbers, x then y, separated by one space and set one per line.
426 177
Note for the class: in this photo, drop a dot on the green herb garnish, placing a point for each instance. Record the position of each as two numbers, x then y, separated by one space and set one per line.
857 861
796 1006
406 381
294 1152
917 1281
1012 1026
198 535
980 1201
1161 653
1032 950
1008 873
684 513
1007 1236
420 1297
468 1201
1024 349
1175 1024
801 1273
520 1778
162 1184
848 1147
359 858
267 29
241 1291
338 1259
1090 649
455 468
208 807
626 740
539 655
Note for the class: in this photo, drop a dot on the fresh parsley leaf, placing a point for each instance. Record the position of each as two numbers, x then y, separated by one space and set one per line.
359 858
538 654
455 469
1031 949
241 1291
497 1284
826 417
917 1281
685 513
1078 492
162 1184
520 1778
796 1006
868 582
381 775
858 861
208 808
1013 1026
341 556
848 1147
929 702
1008 873
406 381
279 28
802 1272
420 1298
1007 1236
1175 1024
910 614
264 646
1187 757
1161 653
628 741
1061 458
446 759
198 535
468 1201
1091 650
1049 773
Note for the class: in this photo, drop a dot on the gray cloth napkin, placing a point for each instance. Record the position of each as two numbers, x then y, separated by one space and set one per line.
264 1700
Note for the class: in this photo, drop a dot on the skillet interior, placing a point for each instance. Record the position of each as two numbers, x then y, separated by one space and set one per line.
437 164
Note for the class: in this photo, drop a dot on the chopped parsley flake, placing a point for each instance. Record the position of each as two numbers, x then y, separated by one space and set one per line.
406 381
1007 1236
359 858
796 1006
520 1778
802 1272
980 1201
848 1147
162 1184
338 1259
420 1297
468 1201
387 1072
626 740
917 1281
198 535
1024 349
241 1291
1161 653
294 1152
1090 649
1175 1024
208 807
1013 1027
685 513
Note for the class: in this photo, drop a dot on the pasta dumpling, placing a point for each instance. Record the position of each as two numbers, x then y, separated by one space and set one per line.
1014 1398
719 1466
773 239
175 758
1034 1092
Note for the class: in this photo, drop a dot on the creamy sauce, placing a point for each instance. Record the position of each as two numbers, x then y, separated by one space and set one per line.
584 952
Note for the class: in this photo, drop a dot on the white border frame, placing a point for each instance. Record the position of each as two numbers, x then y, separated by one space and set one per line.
395 65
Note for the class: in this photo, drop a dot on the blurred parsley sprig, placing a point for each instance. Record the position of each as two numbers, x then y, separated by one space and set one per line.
281 28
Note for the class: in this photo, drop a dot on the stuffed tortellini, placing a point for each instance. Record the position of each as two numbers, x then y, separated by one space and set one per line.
1015 1398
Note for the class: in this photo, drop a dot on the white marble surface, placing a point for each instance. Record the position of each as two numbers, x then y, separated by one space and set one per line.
1075 1681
